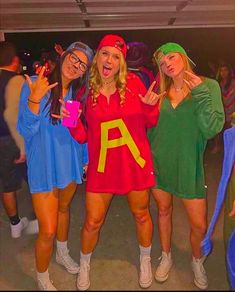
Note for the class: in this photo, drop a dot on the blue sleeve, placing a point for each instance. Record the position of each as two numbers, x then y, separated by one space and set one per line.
28 123
85 159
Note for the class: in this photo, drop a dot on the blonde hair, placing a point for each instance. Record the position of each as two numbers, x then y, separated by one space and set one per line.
166 81
95 82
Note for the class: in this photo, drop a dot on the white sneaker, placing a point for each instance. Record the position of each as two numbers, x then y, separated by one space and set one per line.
32 227
146 276
17 229
63 258
200 278
164 267
83 280
46 285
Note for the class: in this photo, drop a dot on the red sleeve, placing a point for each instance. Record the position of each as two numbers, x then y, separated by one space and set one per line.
79 133
151 114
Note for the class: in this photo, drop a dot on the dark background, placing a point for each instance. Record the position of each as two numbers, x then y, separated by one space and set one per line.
202 44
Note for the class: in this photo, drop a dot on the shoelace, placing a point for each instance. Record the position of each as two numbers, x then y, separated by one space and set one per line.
162 259
46 285
201 267
144 264
67 259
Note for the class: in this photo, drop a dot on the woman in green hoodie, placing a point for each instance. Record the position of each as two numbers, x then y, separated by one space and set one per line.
191 112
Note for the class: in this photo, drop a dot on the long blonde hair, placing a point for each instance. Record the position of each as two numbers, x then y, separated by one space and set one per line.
166 81
95 82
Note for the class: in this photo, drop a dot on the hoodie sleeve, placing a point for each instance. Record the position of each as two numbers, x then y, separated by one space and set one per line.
28 123
79 133
209 107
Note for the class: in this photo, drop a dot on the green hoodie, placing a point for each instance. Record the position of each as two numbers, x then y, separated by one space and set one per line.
178 141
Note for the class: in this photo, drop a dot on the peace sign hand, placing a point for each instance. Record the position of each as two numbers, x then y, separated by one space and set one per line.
151 98
40 87
193 81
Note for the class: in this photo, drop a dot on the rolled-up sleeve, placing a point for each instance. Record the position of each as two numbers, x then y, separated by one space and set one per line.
28 123
209 108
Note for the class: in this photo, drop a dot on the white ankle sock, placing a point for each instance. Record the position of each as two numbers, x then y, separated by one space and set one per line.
145 251
44 276
85 257
61 245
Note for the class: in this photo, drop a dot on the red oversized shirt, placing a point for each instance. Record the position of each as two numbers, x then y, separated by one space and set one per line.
120 158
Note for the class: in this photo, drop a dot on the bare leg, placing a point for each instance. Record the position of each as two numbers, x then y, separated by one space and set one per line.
139 204
197 214
164 205
96 208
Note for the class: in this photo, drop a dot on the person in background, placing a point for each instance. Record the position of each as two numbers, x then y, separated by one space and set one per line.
225 77
138 56
53 181
225 197
49 59
12 150
118 104
190 114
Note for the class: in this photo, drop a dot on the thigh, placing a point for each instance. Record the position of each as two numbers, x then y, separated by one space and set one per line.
97 205
66 194
196 210
163 199
138 200
46 210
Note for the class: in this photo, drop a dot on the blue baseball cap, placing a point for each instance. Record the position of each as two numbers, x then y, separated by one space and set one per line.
79 46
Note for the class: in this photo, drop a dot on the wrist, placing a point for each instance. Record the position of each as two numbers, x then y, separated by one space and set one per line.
34 101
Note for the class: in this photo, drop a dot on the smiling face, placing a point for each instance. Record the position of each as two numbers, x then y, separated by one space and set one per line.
108 62
172 64
72 70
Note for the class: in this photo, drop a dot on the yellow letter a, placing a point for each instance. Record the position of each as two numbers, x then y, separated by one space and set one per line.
125 139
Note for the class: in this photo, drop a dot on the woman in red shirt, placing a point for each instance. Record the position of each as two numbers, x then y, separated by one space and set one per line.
118 111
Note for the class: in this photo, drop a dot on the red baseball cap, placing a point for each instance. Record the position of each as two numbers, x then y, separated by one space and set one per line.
112 40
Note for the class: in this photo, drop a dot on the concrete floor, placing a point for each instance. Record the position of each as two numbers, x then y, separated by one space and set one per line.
115 261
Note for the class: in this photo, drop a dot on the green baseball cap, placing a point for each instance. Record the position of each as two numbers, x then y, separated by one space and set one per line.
171 48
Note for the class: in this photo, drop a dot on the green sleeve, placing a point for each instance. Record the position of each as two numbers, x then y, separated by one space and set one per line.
209 107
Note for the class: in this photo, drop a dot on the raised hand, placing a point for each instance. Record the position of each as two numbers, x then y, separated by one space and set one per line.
58 48
40 87
193 80
151 98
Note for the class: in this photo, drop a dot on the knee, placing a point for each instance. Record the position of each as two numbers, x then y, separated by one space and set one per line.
199 228
47 236
164 211
142 217
93 224
63 208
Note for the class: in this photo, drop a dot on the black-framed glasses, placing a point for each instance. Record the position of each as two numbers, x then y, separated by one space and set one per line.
74 60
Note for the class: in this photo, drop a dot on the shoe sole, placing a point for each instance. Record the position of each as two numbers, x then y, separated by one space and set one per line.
84 288
145 285
73 272
161 280
199 285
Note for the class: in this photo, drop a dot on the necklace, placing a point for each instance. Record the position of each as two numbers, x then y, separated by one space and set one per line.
178 89
107 82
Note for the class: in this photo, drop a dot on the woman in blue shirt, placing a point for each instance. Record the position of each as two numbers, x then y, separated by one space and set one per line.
55 160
